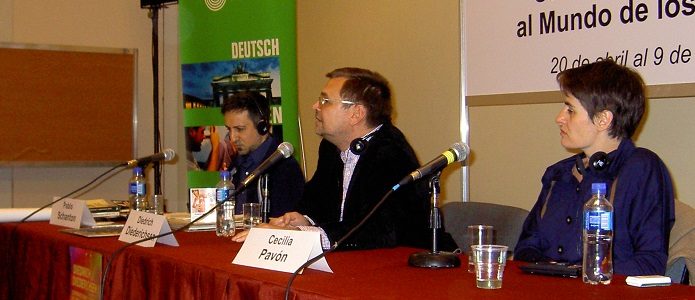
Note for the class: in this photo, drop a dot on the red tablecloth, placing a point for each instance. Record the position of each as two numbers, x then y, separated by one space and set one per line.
37 266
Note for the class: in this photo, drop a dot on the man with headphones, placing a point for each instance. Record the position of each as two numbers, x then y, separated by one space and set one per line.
604 103
361 157
246 116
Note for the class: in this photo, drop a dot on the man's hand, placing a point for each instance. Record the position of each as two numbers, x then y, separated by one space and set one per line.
290 219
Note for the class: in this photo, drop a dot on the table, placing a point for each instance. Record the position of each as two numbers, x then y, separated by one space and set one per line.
200 268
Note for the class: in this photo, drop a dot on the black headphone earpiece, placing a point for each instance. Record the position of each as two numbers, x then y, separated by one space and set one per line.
598 162
263 127
359 145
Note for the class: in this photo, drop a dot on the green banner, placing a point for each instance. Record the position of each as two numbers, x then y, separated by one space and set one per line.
229 46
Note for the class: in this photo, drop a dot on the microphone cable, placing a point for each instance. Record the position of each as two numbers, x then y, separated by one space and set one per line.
340 241
73 192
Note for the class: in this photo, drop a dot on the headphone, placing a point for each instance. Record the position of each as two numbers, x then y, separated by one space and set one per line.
359 145
263 127
598 162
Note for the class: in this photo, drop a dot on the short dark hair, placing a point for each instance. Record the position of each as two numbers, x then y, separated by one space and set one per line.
254 102
606 85
368 88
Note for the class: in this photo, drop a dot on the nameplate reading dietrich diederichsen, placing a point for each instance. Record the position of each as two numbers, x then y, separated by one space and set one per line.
281 250
71 213
141 225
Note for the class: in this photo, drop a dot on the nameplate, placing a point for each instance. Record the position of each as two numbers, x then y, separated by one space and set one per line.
141 225
71 213
281 250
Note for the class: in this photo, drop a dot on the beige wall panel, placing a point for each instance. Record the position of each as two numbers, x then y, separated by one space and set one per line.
513 144
414 44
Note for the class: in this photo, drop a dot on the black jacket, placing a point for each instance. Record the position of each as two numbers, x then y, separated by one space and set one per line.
402 220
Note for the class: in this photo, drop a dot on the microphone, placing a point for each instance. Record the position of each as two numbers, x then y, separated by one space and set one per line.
284 151
458 152
165 155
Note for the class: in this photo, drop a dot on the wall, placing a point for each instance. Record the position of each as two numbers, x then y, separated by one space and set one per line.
104 23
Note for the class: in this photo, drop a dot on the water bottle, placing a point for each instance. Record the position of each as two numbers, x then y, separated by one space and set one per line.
597 262
137 191
225 212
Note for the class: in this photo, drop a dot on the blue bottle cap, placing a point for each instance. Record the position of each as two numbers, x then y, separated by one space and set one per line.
224 174
598 188
137 170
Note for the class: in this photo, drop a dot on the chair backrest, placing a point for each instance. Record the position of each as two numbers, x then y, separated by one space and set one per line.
681 253
506 220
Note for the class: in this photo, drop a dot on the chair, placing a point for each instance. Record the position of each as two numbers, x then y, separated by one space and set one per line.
506 220
681 253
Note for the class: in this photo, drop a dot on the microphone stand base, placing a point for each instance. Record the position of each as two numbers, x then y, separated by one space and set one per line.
428 259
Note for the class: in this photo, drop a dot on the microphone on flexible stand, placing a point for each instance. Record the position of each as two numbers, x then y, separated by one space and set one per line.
165 155
435 258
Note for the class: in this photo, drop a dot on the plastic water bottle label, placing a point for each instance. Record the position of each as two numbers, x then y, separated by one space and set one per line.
132 188
142 189
598 220
135 188
222 194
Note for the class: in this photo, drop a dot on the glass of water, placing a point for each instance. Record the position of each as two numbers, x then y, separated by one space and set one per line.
477 235
252 215
489 263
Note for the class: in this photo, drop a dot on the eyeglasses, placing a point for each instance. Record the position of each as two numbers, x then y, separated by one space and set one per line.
323 100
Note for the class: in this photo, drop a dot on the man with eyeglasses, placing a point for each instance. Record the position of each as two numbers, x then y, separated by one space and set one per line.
361 157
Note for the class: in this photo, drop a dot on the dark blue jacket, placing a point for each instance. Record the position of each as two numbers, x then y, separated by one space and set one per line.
285 180
643 212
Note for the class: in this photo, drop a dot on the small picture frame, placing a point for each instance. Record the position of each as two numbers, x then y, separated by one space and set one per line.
202 200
